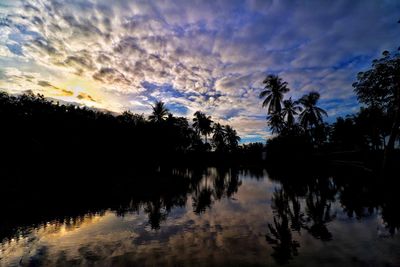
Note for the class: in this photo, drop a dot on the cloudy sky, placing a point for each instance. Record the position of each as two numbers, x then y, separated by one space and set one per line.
194 55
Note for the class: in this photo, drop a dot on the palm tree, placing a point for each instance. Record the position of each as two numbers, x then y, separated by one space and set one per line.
231 137
160 112
219 137
202 124
276 122
290 109
275 88
311 114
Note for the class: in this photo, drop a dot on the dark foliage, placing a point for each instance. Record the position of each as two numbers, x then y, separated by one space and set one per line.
38 132
300 129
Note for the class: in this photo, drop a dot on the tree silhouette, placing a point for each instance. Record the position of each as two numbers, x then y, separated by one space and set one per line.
219 137
273 94
128 117
202 124
379 88
160 112
290 110
312 115
373 125
231 138
276 122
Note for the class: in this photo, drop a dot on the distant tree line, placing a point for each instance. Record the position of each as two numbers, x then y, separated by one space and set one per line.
34 127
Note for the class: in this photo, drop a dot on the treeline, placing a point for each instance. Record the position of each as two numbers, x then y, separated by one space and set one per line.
34 129
299 124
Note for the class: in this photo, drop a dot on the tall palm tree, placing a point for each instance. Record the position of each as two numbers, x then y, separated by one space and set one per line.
202 124
290 109
311 116
219 137
231 137
160 112
275 88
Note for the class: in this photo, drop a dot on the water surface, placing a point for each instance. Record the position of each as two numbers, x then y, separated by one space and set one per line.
220 217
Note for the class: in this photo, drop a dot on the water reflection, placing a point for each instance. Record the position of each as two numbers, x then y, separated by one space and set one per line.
310 199
213 217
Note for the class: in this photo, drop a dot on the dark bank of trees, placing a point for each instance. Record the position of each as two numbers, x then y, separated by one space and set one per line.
34 129
299 124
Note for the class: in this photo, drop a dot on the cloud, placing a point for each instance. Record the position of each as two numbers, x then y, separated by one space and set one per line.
110 75
44 84
196 55
62 92
80 61
67 92
83 96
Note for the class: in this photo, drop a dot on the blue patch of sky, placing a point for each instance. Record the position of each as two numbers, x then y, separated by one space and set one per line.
359 61
22 32
149 86
177 109
252 139
165 93
178 30
15 49
259 117
232 113
7 3
164 90
340 107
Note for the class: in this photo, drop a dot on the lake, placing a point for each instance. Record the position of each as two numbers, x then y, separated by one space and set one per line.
211 217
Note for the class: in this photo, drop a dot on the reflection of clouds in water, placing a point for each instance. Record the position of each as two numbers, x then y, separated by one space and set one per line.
353 241
232 231
184 236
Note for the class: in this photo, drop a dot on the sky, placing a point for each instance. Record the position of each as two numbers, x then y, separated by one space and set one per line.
193 55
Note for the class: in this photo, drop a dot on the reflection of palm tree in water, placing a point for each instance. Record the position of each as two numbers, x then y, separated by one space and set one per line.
296 216
219 183
280 234
319 213
288 217
281 239
216 185
156 213
320 195
289 206
233 183
202 201
226 183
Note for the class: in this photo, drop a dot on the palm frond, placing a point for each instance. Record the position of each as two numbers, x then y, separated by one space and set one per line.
267 101
264 93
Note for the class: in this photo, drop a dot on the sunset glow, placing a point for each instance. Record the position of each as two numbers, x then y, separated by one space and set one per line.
208 55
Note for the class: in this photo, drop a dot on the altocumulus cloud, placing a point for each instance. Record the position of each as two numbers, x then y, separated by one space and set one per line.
207 55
